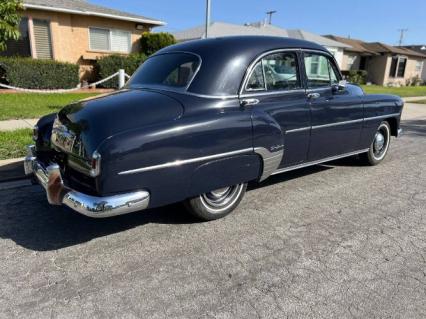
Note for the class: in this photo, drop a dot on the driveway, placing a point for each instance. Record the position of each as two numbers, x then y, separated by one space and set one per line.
332 241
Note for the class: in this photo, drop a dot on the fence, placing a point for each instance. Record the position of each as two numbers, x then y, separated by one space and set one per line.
121 74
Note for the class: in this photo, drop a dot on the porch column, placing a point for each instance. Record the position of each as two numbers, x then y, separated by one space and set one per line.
32 38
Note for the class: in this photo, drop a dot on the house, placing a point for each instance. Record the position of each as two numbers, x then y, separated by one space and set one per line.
220 29
420 49
77 31
385 64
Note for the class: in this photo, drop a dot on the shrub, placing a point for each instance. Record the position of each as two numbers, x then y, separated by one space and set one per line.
109 65
152 42
357 77
38 74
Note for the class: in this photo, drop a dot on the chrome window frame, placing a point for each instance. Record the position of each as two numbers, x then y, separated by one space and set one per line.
331 59
243 93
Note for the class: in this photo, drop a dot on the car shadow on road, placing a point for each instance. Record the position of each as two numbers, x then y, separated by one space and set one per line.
414 127
32 223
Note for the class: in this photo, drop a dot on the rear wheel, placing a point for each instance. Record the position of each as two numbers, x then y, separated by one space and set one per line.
380 145
216 204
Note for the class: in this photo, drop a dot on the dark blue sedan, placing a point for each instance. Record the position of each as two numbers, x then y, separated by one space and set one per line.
199 120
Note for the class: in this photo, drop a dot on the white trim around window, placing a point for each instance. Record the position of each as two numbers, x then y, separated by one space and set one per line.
109 40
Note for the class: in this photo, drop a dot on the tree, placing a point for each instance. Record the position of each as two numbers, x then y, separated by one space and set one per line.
9 21
152 42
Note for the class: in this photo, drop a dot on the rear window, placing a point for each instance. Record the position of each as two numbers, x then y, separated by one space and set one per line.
171 70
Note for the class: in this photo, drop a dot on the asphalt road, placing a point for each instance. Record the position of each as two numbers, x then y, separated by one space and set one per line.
332 241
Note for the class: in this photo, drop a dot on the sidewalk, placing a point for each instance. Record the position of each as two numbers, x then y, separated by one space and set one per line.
12 125
414 98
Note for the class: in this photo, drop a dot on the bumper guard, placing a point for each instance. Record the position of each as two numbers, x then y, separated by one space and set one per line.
97 207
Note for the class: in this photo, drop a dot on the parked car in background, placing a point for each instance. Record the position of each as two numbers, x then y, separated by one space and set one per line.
201 119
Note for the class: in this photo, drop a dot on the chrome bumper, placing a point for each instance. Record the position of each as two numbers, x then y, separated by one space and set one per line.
92 206
399 133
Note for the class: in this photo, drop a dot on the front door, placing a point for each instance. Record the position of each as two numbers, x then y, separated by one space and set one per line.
336 115
275 94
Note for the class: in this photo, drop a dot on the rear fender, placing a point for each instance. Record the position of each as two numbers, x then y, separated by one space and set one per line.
268 142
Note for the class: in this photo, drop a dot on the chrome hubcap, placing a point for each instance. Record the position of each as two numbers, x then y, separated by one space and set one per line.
222 198
379 142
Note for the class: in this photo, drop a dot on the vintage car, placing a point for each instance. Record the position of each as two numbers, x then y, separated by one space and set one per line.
199 120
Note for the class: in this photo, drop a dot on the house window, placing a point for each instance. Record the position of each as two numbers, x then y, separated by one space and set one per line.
42 39
419 66
20 47
351 61
398 66
110 40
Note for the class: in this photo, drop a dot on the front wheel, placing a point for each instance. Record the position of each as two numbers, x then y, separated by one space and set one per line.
216 204
380 145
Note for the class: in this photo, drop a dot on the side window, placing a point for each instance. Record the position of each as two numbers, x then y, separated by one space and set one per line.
334 73
281 71
317 70
256 81
275 72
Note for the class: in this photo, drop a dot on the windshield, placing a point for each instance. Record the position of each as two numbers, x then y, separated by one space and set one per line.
172 70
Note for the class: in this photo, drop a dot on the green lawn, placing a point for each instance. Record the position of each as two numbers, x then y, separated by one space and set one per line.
12 143
31 105
406 91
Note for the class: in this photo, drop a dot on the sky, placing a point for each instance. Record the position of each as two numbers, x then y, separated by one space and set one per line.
368 20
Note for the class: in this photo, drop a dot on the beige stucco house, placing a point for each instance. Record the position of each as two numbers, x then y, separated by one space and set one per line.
77 31
385 64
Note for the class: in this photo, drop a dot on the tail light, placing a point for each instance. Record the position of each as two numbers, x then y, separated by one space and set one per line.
95 164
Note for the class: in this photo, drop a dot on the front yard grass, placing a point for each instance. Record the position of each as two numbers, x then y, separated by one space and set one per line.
32 105
406 91
13 143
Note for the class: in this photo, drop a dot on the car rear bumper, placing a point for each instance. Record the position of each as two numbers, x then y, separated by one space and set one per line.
98 207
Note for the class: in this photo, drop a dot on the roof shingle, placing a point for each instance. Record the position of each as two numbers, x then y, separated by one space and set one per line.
222 29
86 8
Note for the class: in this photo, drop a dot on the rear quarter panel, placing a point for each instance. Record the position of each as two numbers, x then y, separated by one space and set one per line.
208 127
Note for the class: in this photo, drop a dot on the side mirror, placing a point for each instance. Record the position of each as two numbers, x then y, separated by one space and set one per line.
340 86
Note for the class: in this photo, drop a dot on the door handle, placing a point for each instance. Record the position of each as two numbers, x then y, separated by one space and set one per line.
247 102
313 96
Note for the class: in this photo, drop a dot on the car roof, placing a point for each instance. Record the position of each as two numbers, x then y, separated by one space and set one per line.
225 60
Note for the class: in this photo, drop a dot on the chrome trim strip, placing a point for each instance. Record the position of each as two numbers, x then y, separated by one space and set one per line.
337 124
328 159
92 206
186 161
381 116
355 121
271 161
281 92
307 128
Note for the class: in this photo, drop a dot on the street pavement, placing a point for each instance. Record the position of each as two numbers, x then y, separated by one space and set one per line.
340 240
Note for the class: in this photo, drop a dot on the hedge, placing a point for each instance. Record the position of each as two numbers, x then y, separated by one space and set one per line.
152 42
38 74
356 76
109 65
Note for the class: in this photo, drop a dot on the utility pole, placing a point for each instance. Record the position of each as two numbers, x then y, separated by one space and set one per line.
270 13
401 35
208 12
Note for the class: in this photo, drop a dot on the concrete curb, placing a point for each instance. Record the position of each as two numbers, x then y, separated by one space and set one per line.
414 98
12 170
